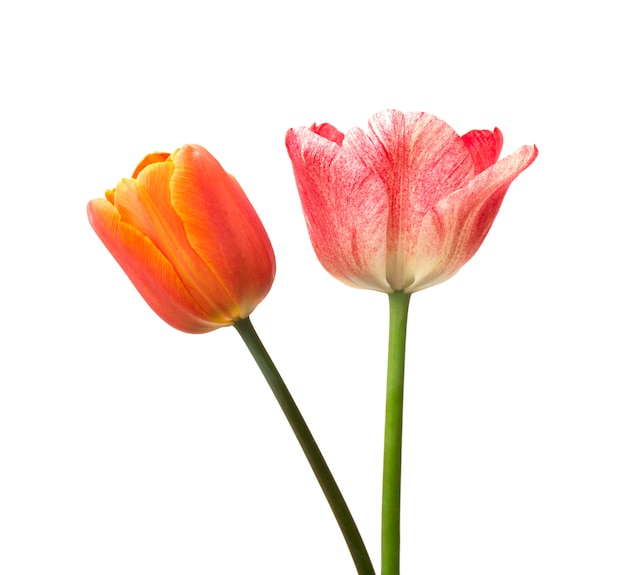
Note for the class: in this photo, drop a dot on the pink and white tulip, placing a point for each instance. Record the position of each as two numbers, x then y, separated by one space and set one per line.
404 204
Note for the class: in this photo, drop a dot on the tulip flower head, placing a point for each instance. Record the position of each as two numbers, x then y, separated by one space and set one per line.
403 205
188 238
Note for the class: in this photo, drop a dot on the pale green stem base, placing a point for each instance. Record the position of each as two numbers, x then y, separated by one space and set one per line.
392 464
309 446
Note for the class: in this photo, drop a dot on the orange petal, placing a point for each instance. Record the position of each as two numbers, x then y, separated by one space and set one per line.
221 226
152 275
145 204
150 159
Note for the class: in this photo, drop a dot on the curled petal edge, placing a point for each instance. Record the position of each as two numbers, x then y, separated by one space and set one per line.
453 231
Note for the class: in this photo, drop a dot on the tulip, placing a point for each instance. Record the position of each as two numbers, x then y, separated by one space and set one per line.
190 241
403 205
397 208
188 238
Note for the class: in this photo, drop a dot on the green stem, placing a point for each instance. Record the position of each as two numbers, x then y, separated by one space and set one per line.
392 464
311 450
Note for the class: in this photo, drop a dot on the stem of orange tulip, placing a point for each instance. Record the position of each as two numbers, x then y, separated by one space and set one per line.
309 446
392 464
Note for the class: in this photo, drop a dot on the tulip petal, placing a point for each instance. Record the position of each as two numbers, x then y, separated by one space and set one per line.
144 203
150 159
421 160
484 146
456 226
329 132
152 275
221 226
345 207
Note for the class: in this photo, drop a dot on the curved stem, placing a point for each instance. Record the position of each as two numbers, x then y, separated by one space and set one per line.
392 464
309 446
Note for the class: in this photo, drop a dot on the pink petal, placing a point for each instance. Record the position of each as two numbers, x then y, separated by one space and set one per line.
484 146
329 132
345 207
454 229
421 160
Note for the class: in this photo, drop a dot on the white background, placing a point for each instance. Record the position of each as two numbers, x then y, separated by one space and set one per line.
129 448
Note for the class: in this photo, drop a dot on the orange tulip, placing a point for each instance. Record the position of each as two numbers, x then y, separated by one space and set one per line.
188 238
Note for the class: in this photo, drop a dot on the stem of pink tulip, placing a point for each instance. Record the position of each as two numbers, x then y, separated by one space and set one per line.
309 446
392 464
